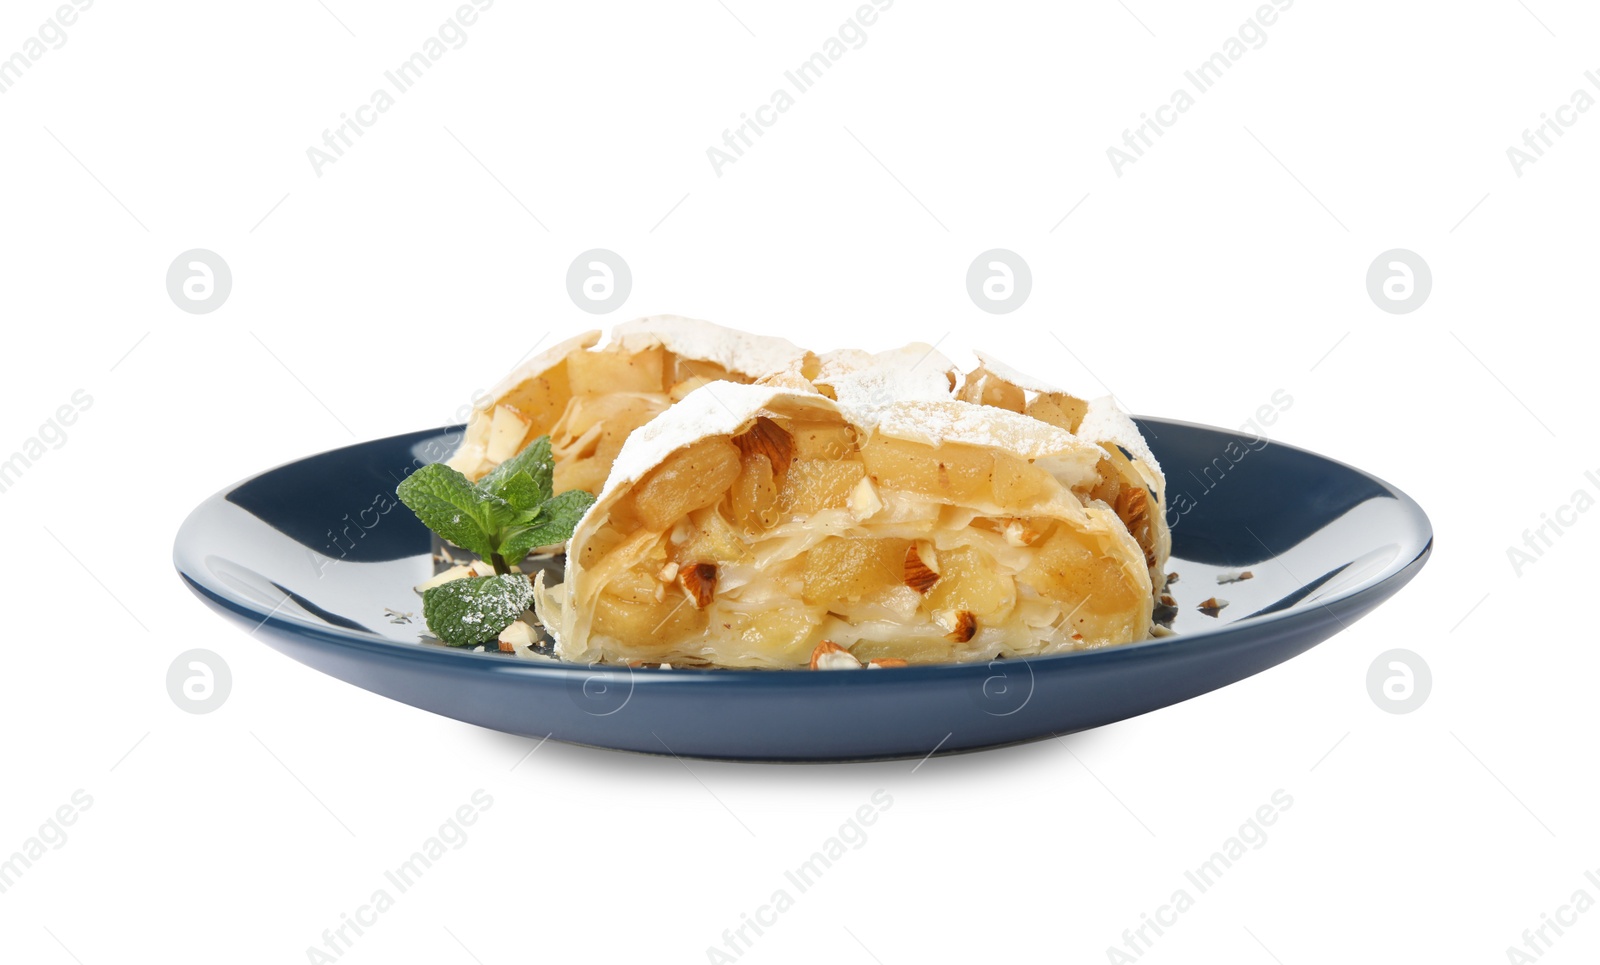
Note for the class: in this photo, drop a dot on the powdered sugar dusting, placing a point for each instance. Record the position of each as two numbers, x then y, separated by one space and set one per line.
742 353
1106 423
841 362
867 387
949 421
1021 380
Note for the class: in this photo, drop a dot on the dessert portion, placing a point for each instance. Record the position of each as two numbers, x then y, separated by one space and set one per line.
760 506
863 508
588 400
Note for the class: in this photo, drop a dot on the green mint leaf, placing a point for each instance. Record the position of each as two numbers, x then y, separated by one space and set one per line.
553 523
452 507
523 493
474 610
535 461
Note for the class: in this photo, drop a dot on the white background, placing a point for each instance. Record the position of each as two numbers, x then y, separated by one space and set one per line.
1226 264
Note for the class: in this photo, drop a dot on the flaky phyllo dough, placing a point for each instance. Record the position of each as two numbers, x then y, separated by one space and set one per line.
589 400
1130 479
870 507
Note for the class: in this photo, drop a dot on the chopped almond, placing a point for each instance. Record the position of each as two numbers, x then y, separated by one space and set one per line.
516 638
864 502
830 656
1017 534
966 625
1133 508
769 439
918 575
457 572
1213 606
699 580
886 662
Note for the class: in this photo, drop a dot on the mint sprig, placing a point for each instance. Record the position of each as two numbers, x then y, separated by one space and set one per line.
552 522
502 518
534 462
506 515
453 507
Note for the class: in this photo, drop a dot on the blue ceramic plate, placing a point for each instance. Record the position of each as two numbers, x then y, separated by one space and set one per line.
317 559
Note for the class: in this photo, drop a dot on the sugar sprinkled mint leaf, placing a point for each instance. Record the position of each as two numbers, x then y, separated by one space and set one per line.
522 492
474 610
504 516
535 461
455 509
553 523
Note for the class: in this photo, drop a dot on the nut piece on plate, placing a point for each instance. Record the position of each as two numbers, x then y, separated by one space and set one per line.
831 656
516 638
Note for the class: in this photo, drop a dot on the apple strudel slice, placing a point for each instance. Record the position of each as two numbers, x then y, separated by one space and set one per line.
589 400
751 524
